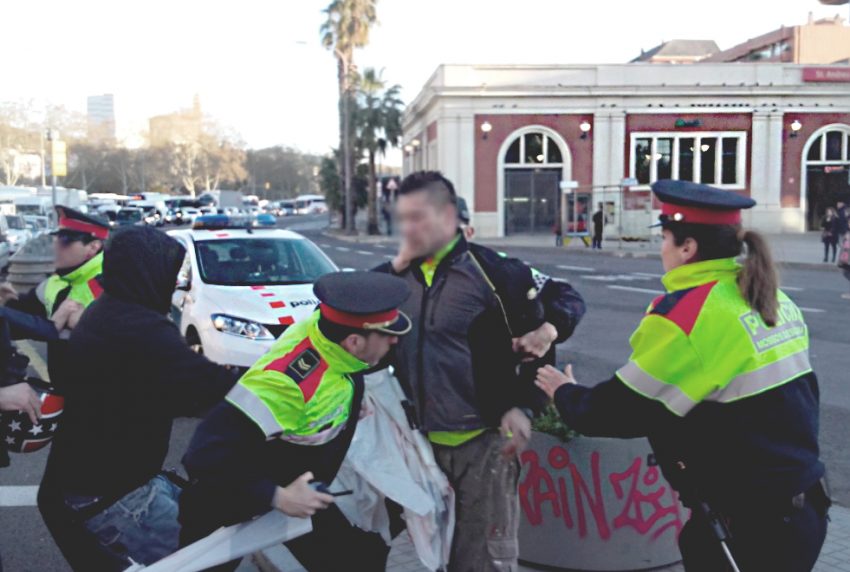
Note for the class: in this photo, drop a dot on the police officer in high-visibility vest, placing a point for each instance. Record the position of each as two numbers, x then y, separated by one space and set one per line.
59 300
281 434
720 381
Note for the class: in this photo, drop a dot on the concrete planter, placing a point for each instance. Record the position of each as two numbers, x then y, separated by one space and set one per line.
32 263
596 505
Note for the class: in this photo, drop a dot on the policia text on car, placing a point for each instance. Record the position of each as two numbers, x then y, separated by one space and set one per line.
720 381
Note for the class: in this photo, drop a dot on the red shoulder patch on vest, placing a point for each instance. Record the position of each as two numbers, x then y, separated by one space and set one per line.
304 366
683 307
656 302
95 287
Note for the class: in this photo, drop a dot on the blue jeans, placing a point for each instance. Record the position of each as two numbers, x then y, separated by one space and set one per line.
142 525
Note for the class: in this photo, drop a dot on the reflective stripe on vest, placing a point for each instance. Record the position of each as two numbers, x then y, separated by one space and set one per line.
670 395
253 407
770 376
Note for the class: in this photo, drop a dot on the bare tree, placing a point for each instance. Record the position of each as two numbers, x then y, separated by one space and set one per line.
17 137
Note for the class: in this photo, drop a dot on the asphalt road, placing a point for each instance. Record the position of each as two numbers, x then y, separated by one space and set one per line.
617 290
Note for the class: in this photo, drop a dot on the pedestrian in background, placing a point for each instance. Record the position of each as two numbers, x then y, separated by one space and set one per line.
830 226
843 212
127 374
844 261
599 222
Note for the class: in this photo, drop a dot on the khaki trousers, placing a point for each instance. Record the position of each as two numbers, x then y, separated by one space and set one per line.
487 504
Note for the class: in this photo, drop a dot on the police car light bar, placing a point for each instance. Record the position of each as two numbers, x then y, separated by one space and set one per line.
222 222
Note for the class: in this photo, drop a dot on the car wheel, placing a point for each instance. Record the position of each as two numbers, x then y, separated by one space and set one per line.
194 342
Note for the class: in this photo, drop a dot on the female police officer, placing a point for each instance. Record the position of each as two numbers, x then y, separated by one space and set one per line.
719 380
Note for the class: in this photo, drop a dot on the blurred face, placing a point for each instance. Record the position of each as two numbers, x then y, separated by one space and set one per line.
425 224
674 256
69 251
370 348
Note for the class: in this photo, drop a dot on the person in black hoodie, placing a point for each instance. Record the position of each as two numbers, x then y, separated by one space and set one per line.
128 373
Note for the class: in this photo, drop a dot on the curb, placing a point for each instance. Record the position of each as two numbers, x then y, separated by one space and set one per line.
359 238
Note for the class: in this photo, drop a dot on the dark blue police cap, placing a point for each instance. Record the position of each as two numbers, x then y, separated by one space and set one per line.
364 300
694 203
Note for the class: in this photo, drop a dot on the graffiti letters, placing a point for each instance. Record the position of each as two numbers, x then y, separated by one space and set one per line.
636 498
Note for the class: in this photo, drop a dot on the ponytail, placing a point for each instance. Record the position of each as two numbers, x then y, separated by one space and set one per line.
758 280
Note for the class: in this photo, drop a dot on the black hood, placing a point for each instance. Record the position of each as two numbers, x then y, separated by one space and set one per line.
140 266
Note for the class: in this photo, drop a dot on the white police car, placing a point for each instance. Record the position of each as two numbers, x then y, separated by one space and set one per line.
241 286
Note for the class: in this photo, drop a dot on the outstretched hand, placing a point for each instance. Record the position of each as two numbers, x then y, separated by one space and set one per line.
549 379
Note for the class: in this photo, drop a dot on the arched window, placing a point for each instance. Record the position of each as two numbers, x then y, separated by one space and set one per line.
833 145
535 148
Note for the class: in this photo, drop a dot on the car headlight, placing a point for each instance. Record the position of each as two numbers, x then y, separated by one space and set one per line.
240 327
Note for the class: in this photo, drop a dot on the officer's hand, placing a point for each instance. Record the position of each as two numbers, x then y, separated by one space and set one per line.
67 315
7 293
517 427
299 499
21 397
550 379
535 344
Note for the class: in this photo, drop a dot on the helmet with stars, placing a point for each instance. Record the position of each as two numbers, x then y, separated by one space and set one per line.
20 434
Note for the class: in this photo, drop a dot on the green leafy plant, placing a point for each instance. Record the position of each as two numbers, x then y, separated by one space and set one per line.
550 422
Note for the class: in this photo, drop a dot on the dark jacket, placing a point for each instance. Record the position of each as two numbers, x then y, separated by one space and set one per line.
457 363
843 220
128 373
748 453
831 229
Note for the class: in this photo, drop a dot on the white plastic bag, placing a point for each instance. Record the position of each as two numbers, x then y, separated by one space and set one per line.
388 459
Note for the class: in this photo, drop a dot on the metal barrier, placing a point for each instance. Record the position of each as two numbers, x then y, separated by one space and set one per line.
32 263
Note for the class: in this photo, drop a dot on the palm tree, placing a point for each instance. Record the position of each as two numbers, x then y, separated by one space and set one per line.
379 110
346 28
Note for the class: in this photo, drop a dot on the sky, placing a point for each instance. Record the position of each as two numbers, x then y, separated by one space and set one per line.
260 70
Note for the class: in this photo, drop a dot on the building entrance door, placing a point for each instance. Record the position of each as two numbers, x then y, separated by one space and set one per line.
531 200
826 185
826 170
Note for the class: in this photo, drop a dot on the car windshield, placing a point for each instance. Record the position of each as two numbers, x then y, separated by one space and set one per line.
128 215
260 261
16 222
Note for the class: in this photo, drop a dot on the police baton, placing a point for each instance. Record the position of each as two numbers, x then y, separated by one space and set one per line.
720 530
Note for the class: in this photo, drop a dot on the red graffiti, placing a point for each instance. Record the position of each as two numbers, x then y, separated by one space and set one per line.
541 486
636 513
648 504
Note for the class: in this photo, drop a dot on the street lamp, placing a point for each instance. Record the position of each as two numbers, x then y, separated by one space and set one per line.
486 128
585 128
795 127
416 143
408 149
